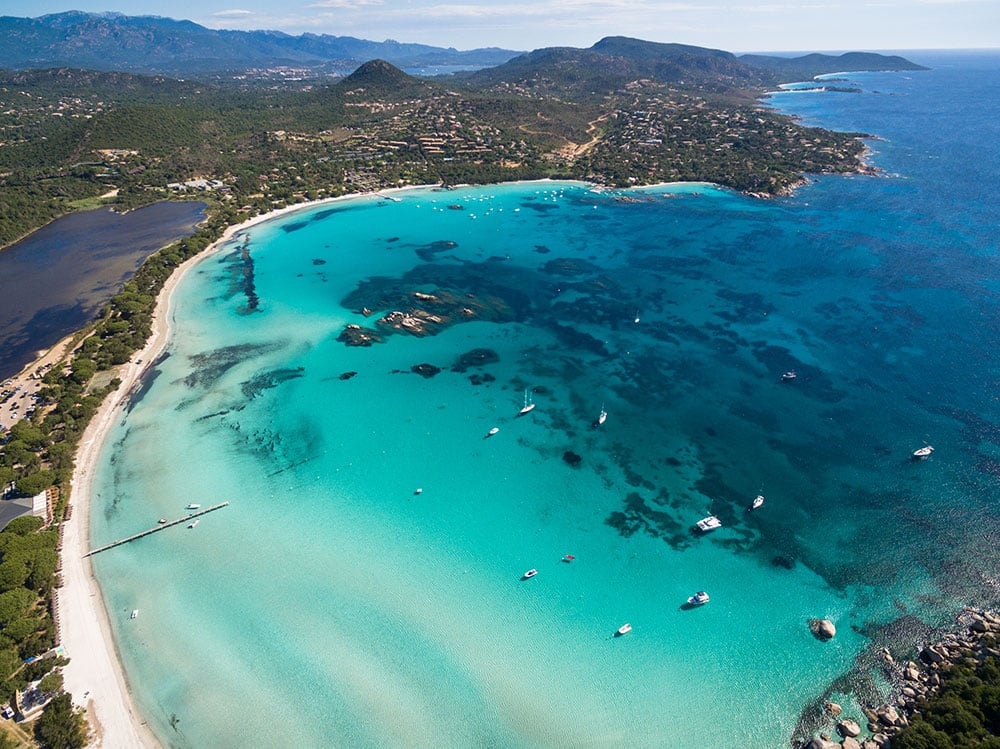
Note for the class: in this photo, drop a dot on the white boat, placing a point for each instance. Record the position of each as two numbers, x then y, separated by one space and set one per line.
418 490
757 502
134 614
698 599
709 524
528 405
636 316
192 506
529 574
623 630
193 523
789 376
603 416
493 431
923 452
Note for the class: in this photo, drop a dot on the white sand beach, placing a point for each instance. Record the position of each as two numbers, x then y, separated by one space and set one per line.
94 676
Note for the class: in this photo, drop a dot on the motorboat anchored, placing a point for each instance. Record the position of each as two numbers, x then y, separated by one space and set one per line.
492 431
192 506
623 630
698 599
789 376
529 574
709 524
603 416
757 502
134 614
923 452
193 523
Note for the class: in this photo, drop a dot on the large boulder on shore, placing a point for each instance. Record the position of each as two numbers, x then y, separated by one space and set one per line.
849 728
821 743
822 629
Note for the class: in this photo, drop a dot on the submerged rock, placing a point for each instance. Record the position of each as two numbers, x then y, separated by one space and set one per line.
822 629
571 458
347 375
355 335
425 370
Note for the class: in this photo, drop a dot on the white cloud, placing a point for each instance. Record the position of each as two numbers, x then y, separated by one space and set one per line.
345 4
233 13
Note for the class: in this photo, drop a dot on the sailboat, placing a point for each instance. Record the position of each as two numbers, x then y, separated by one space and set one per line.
528 405
603 416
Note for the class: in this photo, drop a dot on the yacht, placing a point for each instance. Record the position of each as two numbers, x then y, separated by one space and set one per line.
568 558
192 506
709 524
923 452
528 405
698 599
623 630
193 523
134 614
757 502
162 521
789 376
637 316
493 431
529 574
603 416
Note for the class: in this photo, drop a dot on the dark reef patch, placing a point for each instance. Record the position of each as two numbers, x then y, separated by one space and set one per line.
347 375
294 226
477 357
542 249
267 380
637 515
480 379
318 261
425 370
571 458
574 338
566 266
208 367
428 251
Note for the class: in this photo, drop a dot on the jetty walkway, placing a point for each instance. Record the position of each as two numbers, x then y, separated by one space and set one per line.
162 526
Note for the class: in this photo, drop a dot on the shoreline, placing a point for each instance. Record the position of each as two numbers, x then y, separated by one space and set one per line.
95 677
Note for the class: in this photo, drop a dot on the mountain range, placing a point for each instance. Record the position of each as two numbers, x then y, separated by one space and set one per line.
162 46
154 45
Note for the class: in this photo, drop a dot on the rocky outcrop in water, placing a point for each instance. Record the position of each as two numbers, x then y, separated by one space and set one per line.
914 681
822 629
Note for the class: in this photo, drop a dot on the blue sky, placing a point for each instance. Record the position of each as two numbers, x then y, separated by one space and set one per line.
735 25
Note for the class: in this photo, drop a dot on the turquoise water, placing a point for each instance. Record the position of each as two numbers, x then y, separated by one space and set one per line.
331 605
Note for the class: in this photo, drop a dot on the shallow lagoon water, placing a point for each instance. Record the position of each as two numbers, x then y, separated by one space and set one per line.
331 605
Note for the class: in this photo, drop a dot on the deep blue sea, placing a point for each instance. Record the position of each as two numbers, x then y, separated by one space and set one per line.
332 604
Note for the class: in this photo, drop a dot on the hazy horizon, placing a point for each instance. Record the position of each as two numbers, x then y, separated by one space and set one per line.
737 26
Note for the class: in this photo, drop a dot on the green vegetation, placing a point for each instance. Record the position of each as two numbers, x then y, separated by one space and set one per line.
965 712
62 726
67 137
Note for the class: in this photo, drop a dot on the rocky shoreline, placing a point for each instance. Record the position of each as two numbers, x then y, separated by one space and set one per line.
973 640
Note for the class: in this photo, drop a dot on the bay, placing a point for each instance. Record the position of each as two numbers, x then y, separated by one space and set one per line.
332 600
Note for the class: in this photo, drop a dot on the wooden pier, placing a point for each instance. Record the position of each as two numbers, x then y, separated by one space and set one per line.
162 526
